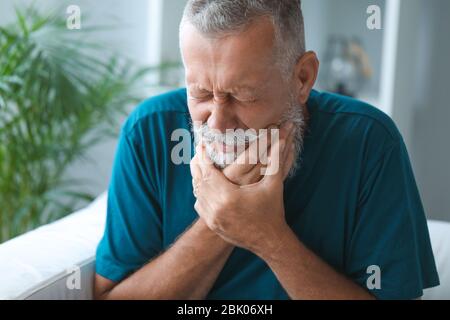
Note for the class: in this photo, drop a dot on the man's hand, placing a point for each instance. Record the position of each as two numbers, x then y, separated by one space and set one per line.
250 216
247 168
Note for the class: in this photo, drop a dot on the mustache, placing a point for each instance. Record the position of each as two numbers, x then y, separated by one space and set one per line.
232 137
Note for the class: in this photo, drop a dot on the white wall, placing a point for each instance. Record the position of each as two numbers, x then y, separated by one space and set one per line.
408 61
430 131
132 34
325 18
316 25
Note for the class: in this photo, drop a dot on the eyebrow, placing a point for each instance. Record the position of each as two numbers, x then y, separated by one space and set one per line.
234 90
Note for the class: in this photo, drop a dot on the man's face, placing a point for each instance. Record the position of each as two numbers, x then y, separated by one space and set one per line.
233 82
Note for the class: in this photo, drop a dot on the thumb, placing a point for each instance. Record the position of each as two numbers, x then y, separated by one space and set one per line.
274 171
209 171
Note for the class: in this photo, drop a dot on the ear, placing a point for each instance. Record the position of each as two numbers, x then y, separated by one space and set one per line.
306 72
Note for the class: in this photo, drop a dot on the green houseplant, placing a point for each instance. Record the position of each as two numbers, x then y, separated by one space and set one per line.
59 95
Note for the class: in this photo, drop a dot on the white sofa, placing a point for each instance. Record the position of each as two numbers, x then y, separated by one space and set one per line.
47 263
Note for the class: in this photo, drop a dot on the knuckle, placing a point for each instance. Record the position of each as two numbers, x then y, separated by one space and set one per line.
217 223
214 227
214 223
222 203
197 206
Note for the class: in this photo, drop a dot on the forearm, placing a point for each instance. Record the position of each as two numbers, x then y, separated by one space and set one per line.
187 270
304 275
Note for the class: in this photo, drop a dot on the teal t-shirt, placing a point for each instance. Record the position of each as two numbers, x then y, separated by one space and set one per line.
354 201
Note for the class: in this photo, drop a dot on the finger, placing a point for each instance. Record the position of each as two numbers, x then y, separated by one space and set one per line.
196 174
209 171
195 168
286 136
200 209
264 147
253 176
251 157
286 158
279 153
242 164
203 157
273 170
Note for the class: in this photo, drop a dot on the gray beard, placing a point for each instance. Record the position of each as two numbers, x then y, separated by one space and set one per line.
294 114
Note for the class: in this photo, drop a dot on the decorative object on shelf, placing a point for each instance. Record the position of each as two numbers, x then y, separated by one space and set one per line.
346 66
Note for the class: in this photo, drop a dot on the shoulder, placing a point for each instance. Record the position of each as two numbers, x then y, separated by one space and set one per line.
158 113
356 117
358 131
169 104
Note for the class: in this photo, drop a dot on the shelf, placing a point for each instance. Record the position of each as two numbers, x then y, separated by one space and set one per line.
348 18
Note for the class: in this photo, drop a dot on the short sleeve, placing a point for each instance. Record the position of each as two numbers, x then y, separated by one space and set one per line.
133 225
390 231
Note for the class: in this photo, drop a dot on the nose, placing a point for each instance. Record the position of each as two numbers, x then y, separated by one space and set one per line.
221 117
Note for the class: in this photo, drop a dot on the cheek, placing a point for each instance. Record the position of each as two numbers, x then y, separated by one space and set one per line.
261 116
197 112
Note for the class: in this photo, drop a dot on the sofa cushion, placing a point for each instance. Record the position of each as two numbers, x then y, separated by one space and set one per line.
44 256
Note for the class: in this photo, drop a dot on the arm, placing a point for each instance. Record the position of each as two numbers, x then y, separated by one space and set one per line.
311 278
260 226
190 267
187 270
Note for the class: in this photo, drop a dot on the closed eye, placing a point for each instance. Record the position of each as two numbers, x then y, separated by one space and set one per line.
200 97
245 100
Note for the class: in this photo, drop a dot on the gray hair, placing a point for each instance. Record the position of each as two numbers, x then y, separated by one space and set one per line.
222 17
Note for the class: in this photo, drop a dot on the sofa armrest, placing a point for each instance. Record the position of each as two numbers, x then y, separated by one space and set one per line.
41 263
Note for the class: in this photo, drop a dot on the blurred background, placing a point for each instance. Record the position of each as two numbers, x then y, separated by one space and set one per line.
64 93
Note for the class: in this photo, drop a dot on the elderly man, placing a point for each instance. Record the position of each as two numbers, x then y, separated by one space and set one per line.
338 217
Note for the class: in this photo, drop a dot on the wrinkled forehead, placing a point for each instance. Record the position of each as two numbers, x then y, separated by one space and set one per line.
249 54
